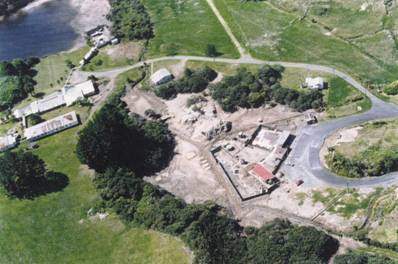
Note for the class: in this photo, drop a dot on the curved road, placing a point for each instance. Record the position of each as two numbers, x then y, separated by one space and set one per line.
306 148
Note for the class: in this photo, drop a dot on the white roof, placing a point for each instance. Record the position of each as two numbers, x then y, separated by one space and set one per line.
266 138
49 102
71 95
51 126
7 142
316 82
86 87
78 91
159 75
283 138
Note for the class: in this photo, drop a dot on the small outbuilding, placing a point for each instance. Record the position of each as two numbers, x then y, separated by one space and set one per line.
311 118
317 83
115 41
161 76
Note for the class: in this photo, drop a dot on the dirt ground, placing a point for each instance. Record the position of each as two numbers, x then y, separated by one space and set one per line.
191 177
91 13
125 50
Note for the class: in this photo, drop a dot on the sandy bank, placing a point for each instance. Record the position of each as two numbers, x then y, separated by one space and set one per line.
90 13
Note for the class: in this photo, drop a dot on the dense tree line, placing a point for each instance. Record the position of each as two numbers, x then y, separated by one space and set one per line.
248 90
16 81
130 20
111 144
194 81
207 228
374 161
113 138
7 7
354 258
24 175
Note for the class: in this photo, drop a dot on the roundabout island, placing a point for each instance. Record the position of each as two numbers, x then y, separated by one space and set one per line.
305 160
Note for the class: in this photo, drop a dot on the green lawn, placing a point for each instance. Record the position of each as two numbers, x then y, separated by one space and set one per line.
379 251
349 203
186 27
347 18
52 68
343 99
123 54
55 228
381 133
272 34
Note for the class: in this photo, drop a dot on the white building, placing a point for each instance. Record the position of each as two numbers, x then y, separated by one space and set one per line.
48 103
52 126
77 92
115 41
67 96
269 139
161 76
7 142
316 83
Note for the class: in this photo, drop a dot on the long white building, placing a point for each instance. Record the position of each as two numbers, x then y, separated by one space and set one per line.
52 126
68 96
7 142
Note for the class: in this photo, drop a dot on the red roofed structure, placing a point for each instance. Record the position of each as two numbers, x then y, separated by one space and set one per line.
261 172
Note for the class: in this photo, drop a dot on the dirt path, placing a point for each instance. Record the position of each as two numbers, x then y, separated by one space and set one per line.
228 30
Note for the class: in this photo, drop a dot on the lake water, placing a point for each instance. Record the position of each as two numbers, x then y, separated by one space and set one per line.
41 31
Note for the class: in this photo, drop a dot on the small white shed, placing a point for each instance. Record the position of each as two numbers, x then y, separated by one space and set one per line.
317 83
161 76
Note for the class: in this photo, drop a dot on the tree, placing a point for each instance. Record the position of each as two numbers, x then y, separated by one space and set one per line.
211 51
7 69
113 139
17 81
35 119
21 173
194 81
70 64
245 89
118 183
130 20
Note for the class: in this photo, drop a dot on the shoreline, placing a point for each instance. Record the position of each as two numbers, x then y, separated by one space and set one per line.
33 5
81 21
26 9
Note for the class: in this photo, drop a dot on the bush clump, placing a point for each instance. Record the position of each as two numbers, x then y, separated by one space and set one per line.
194 81
248 90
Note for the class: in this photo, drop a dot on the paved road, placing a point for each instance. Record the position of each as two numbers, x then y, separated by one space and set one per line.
305 154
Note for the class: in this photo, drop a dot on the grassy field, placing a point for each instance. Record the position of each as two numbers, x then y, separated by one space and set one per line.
350 202
347 18
271 33
55 228
381 133
52 68
123 54
379 251
186 27
343 99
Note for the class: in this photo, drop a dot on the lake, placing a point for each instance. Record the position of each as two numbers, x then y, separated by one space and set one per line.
41 31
